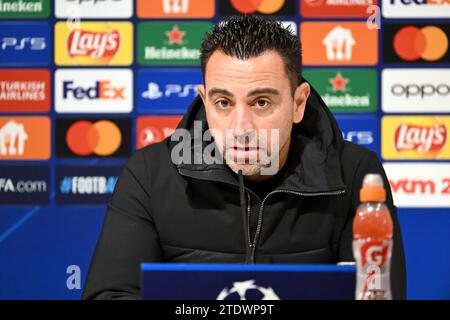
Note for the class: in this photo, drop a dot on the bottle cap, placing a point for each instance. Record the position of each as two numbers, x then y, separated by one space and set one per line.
372 189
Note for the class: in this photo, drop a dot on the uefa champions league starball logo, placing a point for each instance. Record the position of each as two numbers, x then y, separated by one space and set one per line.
247 290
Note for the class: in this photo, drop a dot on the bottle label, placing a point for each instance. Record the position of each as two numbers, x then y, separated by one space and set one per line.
373 268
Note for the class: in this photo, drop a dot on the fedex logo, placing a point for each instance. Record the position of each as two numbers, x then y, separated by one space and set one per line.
421 2
423 184
102 90
416 8
83 91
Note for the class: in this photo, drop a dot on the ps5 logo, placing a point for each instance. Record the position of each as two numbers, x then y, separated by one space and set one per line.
180 91
359 137
12 43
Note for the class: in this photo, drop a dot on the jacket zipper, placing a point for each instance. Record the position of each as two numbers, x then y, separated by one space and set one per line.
254 243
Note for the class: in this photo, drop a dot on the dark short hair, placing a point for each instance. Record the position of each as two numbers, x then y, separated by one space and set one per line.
247 36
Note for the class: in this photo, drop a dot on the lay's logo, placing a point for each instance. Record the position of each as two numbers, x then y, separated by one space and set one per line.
422 139
415 137
94 43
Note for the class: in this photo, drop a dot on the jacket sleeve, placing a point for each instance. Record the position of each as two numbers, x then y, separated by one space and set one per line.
371 164
127 239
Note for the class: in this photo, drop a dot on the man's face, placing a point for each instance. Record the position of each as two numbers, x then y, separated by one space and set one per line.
249 105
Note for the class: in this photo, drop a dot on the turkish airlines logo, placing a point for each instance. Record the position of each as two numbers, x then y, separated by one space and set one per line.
24 90
93 44
422 139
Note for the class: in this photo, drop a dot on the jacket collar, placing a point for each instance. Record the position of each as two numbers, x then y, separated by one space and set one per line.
317 142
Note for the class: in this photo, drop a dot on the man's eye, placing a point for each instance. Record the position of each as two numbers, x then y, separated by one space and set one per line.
222 104
261 103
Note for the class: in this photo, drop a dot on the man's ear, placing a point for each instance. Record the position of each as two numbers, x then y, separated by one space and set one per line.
202 92
300 97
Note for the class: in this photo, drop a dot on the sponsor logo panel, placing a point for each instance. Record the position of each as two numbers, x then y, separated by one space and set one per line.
23 9
24 44
94 43
361 129
170 43
175 9
24 185
419 184
415 137
93 90
416 43
87 138
85 184
24 138
24 90
338 43
153 129
166 91
416 8
336 8
93 8
345 90
260 7
416 90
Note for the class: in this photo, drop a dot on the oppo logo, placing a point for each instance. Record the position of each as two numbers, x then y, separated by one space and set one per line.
424 90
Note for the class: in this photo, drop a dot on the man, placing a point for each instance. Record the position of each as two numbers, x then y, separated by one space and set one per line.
288 198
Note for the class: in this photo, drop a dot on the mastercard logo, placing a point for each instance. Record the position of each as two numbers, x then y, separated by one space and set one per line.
101 138
412 43
260 6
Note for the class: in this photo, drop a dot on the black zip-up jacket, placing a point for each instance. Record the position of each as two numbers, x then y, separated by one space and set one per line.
176 212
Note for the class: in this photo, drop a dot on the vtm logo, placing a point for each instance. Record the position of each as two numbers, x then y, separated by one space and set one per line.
102 138
100 46
412 43
257 6
422 139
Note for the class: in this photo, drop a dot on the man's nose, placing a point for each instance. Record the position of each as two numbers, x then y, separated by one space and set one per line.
243 121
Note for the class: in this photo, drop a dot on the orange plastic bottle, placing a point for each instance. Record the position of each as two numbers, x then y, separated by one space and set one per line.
372 241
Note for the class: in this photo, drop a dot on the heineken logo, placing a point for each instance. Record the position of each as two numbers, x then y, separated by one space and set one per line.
24 8
339 83
345 90
175 35
165 43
